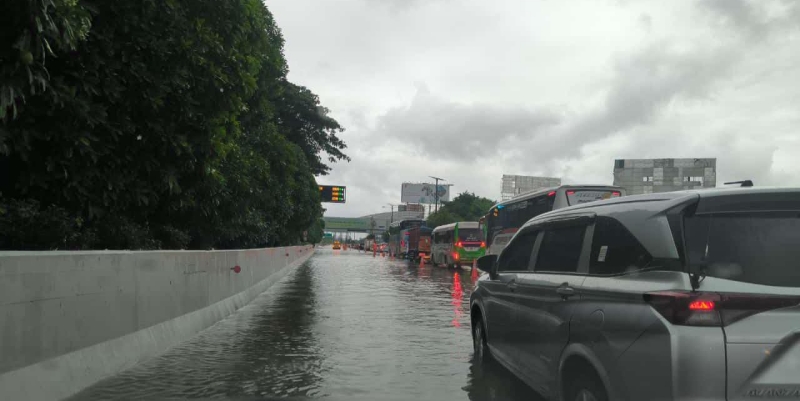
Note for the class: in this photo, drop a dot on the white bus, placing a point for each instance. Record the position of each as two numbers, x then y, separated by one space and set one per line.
505 218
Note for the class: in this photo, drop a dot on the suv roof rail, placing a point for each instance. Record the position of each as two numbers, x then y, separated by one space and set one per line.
744 183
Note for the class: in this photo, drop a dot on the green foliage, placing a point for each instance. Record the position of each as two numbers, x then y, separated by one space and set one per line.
385 236
316 232
370 236
157 124
442 217
31 31
464 207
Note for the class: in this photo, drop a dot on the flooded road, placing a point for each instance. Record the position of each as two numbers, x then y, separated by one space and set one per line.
344 326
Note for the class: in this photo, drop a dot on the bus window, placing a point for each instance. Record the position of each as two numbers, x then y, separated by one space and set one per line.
578 196
469 234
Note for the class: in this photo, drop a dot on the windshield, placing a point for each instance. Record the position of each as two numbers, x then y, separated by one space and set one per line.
759 248
469 234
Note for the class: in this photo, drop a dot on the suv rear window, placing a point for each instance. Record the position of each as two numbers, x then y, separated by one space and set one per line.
758 247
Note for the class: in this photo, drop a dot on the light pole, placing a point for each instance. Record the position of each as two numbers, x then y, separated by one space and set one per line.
392 215
436 190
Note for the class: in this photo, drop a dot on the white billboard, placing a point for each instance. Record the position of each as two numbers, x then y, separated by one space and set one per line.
423 193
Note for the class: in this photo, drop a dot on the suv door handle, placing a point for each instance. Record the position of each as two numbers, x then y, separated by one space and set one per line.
565 291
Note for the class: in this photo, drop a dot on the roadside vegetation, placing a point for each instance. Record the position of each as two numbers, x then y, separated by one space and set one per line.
155 125
465 207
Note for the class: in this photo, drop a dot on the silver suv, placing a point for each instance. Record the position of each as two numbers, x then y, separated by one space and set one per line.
689 295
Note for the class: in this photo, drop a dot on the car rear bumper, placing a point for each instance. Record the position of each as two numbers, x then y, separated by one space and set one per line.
670 362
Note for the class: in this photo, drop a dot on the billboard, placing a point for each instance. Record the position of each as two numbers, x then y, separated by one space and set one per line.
413 207
423 193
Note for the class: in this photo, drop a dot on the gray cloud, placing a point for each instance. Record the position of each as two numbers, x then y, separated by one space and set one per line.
754 20
446 129
533 88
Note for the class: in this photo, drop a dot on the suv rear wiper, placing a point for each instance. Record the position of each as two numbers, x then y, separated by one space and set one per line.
696 278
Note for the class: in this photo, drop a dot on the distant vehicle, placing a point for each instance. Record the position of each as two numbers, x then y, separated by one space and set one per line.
337 245
508 216
418 243
457 243
690 295
398 239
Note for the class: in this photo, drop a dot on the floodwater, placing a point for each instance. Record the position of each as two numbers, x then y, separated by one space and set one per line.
343 326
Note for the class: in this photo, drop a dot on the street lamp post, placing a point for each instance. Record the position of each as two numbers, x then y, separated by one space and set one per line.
436 190
392 215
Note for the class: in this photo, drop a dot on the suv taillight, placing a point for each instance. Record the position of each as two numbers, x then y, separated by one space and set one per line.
713 309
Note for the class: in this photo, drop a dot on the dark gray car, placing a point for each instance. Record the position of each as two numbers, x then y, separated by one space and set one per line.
689 295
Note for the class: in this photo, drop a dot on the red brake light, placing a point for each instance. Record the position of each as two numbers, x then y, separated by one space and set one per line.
455 255
616 194
713 309
552 193
702 305
483 244
570 193
459 244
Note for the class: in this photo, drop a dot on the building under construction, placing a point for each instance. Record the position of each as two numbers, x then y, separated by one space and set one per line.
645 176
514 185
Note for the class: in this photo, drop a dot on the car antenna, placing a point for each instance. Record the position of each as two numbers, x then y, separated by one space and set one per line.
744 183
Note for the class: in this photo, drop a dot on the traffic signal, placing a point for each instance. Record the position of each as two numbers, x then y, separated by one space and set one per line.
495 212
333 193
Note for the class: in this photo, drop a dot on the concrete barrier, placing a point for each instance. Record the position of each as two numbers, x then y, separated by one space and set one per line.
70 319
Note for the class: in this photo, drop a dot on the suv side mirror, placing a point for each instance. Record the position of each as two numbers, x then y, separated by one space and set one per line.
488 264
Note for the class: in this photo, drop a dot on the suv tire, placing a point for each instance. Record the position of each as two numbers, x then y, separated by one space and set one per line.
481 352
585 386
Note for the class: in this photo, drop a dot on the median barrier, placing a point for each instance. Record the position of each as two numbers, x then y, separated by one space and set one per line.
70 319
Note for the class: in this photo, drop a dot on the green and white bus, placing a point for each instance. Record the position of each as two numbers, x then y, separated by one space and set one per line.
457 244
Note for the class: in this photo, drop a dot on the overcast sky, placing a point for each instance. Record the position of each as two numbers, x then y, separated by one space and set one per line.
470 90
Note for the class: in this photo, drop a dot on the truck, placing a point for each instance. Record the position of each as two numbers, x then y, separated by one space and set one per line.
368 245
418 243
398 236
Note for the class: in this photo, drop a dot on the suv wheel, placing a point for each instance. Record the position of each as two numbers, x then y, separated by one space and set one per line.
481 349
586 387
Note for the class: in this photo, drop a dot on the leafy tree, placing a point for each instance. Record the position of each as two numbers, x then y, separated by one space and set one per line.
385 236
464 207
442 217
156 124
32 31
370 236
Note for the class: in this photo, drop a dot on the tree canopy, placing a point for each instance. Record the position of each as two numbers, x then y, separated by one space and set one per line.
464 207
143 125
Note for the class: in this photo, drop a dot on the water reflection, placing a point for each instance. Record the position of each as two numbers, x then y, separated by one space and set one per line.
266 349
458 294
492 382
